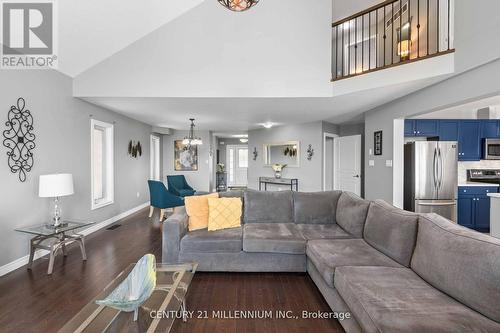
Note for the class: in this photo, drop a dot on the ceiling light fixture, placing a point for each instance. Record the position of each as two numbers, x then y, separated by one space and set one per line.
268 125
243 140
238 5
191 139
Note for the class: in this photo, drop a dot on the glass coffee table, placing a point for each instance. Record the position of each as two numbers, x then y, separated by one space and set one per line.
54 239
157 314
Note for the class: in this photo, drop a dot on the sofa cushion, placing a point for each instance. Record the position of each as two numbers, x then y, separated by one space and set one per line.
197 210
224 213
227 240
322 231
462 263
328 255
392 231
268 207
273 238
388 299
351 213
315 208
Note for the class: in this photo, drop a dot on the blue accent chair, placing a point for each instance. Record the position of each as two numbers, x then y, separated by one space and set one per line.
178 185
161 198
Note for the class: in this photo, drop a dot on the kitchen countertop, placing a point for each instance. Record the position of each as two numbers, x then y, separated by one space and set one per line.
494 195
477 184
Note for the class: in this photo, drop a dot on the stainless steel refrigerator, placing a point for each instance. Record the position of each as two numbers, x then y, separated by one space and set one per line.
430 178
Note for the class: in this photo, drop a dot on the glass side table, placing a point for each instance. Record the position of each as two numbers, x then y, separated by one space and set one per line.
62 235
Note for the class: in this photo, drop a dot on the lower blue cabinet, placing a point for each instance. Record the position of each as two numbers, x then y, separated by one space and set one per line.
474 207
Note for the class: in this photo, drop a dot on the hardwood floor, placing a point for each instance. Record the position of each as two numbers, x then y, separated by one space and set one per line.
32 301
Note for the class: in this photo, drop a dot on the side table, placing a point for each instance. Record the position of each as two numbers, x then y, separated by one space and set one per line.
62 235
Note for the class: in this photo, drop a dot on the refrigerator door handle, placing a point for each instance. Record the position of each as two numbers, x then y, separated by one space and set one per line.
440 163
451 203
434 168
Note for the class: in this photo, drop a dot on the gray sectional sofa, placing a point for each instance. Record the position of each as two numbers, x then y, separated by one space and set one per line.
393 270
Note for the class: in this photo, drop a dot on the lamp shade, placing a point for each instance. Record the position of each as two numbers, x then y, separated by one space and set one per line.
56 185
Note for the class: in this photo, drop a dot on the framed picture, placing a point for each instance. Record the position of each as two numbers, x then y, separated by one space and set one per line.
185 158
377 144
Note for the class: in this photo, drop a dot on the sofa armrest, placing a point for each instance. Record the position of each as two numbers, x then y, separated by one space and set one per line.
174 229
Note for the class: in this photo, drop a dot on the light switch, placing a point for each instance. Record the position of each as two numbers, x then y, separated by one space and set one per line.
388 163
370 152
371 163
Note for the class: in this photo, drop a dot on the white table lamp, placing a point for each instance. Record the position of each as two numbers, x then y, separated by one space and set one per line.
55 186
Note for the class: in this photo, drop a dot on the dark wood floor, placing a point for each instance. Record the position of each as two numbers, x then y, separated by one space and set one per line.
32 301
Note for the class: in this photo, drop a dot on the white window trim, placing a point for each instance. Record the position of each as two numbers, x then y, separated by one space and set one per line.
152 162
110 177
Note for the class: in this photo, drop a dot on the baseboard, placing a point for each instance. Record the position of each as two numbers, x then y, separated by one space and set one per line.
13 265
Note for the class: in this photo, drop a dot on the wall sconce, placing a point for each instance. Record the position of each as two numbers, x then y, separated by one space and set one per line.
310 152
255 153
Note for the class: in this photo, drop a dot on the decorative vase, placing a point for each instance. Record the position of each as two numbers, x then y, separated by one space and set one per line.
277 174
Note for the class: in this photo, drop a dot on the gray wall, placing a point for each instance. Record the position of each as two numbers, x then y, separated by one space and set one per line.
62 129
199 180
309 173
474 84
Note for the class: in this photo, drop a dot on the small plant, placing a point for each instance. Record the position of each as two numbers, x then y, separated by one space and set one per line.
221 167
277 167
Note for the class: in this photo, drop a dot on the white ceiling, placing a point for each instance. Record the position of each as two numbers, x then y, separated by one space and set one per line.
93 30
241 114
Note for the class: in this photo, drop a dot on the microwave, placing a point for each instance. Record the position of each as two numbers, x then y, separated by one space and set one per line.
491 149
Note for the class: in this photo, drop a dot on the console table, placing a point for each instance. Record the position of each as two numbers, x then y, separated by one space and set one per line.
292 182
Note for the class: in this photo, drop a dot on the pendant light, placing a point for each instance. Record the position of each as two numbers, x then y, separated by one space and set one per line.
191 139
238 5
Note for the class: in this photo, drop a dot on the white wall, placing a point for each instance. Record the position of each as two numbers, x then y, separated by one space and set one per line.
62 129
278 49
200 180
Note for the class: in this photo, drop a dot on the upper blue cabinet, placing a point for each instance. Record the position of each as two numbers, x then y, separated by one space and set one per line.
469 141
421 127
468 133
490 129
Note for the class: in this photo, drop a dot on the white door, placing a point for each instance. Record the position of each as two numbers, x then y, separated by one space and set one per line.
237 165
348 163
154 173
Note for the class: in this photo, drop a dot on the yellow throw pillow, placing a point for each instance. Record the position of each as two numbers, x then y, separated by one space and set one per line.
197 210
224 213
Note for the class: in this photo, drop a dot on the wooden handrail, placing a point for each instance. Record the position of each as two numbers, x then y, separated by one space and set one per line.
366 11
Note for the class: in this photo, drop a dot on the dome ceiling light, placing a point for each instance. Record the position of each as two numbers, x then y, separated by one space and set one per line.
238 5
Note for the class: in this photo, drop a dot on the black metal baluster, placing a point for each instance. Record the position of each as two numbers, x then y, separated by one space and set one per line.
385 36
363 43
418 28
409 29
437 27
343 47
376 38
392 33
355 45
428 27
336 50
349 51
369 41
400 44
449 9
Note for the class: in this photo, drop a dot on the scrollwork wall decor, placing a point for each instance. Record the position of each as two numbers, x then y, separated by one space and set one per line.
19 139
134 149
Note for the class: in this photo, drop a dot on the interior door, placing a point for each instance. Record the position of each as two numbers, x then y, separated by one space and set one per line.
237 165
329 176
154 173
347 163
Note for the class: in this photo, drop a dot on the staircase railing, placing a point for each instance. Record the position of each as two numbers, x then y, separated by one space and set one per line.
391 33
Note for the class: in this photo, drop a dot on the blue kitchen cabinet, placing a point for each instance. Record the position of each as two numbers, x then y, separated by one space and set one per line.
448 130
427 127
490 129
474 207
482 213
410 127
421 127
469 143
466 211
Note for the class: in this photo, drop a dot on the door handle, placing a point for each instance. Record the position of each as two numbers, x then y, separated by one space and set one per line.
436 204
357 176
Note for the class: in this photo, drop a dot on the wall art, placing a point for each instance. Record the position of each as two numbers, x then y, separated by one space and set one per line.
19 139
185 157
134 149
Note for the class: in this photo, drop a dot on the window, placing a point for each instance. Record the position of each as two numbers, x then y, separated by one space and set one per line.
102 177
154 172
243 158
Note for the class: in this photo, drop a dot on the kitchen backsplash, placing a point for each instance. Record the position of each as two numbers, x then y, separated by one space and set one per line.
483 164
